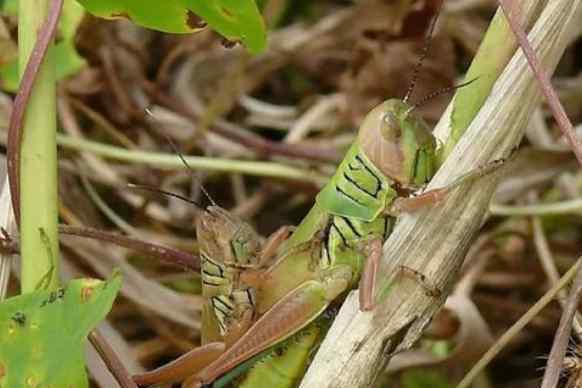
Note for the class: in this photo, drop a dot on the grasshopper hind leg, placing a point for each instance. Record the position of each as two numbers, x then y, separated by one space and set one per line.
182 367
368 279
291 314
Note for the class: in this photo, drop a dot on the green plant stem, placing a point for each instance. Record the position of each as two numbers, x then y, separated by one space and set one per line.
495 51
160 160
573 206
38 163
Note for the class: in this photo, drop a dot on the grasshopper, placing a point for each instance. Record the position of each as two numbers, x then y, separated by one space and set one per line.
236 244
228 247
339 242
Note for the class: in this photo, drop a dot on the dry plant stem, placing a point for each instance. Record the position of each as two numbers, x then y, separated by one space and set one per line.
304 124
100 372
519 325
434 241
71 126
160 252
250 140
45 36
118 89
105 208
102 123
562 337
165 254
543 79
113 362
476 259
549 266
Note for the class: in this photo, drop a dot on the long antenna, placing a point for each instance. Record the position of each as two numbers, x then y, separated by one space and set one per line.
428 40
164 192
183 159
432 95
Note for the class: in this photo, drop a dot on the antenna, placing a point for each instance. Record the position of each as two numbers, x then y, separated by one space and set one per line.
183 159
418 65
164 192
432 95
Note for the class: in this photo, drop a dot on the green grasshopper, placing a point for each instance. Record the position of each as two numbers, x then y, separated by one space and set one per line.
339 242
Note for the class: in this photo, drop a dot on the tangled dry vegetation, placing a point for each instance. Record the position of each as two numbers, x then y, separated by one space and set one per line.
296 107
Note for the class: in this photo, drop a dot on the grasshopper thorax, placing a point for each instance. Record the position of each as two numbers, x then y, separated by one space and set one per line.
398 143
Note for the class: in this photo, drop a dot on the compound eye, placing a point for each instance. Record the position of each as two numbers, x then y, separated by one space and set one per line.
245 245
390 127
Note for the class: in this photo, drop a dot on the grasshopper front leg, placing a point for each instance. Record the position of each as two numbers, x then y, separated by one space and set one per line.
427 198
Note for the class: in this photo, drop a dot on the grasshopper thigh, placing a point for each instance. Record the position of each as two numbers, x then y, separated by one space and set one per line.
285 318
182 367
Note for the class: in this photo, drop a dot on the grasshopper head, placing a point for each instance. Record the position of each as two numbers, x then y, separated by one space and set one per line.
398 143
224 237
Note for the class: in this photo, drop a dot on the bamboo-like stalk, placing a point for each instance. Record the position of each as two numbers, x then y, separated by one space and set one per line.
434 241
38 163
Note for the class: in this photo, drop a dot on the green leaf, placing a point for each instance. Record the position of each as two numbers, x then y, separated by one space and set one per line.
234 19
42 334
68 61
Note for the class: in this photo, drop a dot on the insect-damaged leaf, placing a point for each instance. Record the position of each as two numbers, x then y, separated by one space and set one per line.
42 334
234 19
